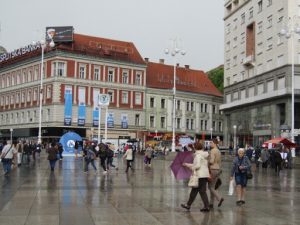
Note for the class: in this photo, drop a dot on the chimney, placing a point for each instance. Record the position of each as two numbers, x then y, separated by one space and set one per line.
161 61
187 66
177 64
146 59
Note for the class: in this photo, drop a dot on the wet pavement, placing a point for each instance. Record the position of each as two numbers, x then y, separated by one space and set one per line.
33 195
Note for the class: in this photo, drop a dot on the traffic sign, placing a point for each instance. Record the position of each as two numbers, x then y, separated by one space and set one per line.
103 99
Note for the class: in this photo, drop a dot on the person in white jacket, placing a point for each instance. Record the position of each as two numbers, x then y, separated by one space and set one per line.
200 167
129 157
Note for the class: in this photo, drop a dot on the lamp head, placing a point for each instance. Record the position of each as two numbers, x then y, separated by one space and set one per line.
183 52
288 35
173 53
177 50
42 42
167 51
52 44
297 30
283 31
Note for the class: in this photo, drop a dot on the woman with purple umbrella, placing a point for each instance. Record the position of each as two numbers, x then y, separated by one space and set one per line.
200 168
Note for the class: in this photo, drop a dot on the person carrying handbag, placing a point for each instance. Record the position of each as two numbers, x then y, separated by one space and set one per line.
7 155
200 171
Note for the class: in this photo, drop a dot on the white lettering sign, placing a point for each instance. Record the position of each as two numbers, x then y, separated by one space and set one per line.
19 52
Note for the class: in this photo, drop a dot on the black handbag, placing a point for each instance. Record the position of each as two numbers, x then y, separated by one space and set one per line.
249 175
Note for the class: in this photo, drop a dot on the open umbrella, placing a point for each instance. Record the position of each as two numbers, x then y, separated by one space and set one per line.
180 171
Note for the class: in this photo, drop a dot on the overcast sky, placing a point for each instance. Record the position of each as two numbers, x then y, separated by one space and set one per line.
149 24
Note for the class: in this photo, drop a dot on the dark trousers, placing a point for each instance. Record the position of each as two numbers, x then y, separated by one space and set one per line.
265 164
202 191
90 161
102 160
52 164
277 167
128 165
110 162
148 160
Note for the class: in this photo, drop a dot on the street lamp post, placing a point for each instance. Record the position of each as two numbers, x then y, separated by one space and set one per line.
11 133
234 137
288 32
43 46
174 51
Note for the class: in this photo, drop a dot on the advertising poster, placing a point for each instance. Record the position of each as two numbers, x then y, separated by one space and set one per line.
81 106
124 121
96 109
68 106
110 120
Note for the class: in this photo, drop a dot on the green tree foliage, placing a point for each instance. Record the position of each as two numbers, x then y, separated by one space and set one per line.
217 77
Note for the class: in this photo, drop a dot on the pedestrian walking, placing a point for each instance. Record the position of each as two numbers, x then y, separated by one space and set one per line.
9 152
20 153
200 168
277 161
129 157
76 146
52 155
90 159
148 155
215 172
264 155
110 157
102 153
241 165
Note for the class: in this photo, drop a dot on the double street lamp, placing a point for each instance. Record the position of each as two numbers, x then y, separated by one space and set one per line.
288 32
43 44
174 50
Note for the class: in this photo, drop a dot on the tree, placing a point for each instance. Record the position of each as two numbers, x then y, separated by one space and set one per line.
217 77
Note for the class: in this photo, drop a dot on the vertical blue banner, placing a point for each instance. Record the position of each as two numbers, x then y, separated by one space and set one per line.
81 114
110 120
96 116
68 107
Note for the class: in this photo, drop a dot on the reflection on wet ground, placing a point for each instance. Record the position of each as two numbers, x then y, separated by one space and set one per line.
33 195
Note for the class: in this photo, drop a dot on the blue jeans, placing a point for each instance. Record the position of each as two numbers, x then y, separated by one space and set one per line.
52 164
6 165
87 162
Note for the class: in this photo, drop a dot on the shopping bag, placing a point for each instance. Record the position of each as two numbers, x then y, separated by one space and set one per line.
194 181
231 187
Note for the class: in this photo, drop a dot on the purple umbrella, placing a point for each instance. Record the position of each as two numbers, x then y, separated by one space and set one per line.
181 172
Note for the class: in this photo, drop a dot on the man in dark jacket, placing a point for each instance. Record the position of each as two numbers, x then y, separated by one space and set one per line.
102 153
277 160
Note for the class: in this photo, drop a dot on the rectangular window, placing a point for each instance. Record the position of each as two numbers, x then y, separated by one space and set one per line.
270 85
260 6
187 106
151 121
48 115
250 13
125 77
111 96
82 72
111 75
163 103
178 105
201 124
192 124
213 109
205 124
28 96
48 93
124 97
36 73
260 89
178 123
269 20
187 124
192 106
162 122
201 107
243 18
281 83
138 98
205 108
214 125
58 69
138 79
243 94
152 102
220 126
96 73
280 60
137 119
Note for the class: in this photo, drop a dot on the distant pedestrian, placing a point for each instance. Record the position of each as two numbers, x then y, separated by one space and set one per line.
129 157
241 164
8 154
277 161
200 168
76 146
52 155
102 153
265 156
90 158
148 155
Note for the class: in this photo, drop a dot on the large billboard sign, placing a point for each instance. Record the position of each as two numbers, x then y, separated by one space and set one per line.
59 34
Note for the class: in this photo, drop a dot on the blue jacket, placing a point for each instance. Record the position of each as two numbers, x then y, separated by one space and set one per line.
245 162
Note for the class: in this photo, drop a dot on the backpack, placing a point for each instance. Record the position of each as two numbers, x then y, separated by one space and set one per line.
90 154
109 153
102 150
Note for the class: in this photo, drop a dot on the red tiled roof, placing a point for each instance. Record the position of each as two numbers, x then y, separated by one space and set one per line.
106 48
161 76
